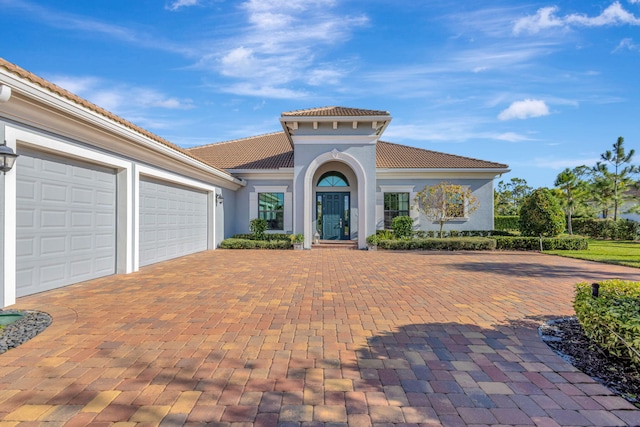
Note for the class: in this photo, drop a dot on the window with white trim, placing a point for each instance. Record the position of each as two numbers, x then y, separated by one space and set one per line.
395 204
271 209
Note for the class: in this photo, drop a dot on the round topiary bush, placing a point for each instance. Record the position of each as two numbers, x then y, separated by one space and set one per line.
541 215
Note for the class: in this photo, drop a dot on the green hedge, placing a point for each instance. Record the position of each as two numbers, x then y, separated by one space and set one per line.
506 222
420 234
235 243
622 229
548 243
613 318
451 244
267 236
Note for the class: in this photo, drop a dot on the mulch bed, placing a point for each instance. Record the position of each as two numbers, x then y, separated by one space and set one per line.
567 338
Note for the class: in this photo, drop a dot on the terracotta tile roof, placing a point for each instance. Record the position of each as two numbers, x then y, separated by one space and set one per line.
270 151
335 112
273 151
26 75
389 155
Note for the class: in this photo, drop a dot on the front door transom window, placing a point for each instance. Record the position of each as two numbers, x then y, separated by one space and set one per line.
333 179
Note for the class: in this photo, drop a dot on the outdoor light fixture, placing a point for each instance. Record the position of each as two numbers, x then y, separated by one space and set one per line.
7 158
219 198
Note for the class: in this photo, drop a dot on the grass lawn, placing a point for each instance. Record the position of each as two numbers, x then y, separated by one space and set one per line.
607 251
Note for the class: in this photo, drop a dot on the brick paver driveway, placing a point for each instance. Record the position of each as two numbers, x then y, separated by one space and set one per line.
309 337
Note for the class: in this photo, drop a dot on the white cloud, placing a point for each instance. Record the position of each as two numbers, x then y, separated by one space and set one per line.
543 19
627 44
524 110
447 131
511 137
612 15
281 47
266 91
119 98
546 18
177 4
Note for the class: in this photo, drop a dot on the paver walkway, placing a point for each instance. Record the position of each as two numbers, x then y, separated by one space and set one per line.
305 338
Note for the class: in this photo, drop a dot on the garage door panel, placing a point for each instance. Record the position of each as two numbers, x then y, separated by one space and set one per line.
64 235
173 221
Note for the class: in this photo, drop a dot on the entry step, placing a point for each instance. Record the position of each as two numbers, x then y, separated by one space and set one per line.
335 244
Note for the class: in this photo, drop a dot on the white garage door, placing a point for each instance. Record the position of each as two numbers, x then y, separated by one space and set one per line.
173 221
66 222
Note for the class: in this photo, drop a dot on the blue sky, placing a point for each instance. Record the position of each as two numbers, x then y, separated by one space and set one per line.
538 85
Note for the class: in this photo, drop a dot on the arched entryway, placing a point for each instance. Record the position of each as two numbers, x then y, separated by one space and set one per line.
334 199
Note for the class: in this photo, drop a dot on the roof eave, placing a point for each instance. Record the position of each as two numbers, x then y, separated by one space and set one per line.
497 171
28 90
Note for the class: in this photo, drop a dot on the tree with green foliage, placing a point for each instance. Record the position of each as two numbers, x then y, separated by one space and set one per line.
446 202
616 183
508 197
572 190
541 215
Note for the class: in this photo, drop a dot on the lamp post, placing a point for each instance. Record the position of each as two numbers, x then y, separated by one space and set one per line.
7 158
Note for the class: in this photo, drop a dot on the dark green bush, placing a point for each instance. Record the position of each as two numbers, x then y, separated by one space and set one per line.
234 243
574 243
450 244
541 215
506 222
613 318
258 226
622 229
267 236
402 226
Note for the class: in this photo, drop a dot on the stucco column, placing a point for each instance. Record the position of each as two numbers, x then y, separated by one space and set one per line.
8 232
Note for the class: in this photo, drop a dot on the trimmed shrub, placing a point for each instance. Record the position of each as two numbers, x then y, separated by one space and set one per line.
267 236
402 226
451 244
421 234
541 215
573 243
612 319
622 229
373 240
258 226
506 222
234 243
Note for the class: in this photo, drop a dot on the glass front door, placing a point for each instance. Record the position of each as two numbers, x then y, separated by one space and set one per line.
333 215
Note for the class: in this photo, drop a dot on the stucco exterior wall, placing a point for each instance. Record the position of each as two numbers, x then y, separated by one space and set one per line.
481 219
245 212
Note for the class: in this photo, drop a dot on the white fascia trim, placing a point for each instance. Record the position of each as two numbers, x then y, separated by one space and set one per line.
345 119
270 188
69 107
276 174
60 148
397 188
162 175
335 139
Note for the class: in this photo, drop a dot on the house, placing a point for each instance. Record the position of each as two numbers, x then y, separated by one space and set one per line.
92 194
